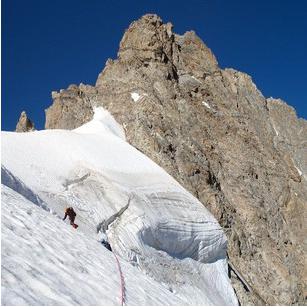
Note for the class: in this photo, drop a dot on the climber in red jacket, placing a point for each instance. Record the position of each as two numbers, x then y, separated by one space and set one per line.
70 212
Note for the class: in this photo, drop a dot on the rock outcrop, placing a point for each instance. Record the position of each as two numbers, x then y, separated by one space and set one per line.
242 155
24 124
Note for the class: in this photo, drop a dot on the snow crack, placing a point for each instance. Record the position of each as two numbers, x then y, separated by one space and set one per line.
68 182
104 225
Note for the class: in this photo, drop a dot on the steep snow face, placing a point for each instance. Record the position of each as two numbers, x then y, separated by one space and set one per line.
167 241
45 262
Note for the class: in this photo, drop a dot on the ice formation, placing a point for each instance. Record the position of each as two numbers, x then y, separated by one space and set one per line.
171 249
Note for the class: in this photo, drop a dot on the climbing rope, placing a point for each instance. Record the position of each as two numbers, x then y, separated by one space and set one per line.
122 282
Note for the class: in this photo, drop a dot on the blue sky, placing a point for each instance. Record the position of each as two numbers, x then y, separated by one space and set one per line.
47 45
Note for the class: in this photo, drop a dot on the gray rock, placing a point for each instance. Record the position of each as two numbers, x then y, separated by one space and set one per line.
242 155
71 107
24 124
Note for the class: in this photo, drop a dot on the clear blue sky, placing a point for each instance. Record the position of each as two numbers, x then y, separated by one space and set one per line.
47 45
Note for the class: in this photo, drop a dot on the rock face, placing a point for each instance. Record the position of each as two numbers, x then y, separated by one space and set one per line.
242 155
24 124
72 107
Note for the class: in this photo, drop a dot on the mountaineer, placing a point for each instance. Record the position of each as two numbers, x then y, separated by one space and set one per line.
70 212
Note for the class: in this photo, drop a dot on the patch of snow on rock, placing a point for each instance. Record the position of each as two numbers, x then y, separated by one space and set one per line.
275 130
299 171
196 79
206 104
135 96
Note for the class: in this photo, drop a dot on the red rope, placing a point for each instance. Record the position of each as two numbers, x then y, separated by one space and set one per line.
122 282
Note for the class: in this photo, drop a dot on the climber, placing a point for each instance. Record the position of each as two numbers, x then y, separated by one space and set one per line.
69 211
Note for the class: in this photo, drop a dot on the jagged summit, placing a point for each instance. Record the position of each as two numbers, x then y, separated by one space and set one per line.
147 38
150 43
24 124
242 155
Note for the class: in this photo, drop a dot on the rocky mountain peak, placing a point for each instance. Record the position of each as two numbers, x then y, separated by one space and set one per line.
147 39
151 47
242 155
24 124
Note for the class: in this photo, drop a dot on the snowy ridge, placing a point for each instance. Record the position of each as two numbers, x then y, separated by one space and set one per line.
171 249
102 123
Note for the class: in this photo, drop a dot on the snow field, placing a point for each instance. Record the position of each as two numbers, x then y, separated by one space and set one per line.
46 262
165 237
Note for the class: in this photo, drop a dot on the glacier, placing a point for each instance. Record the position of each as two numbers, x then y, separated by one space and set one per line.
170 248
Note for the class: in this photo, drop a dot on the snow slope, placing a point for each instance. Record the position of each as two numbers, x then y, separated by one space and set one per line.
171 249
